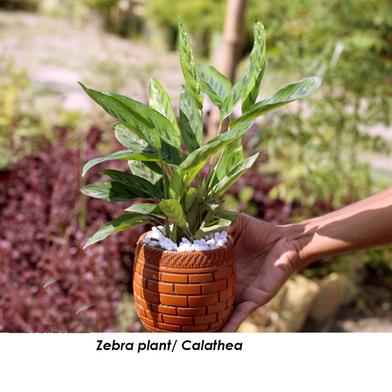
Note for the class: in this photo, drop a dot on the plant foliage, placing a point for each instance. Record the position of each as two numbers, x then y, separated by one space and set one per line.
181 178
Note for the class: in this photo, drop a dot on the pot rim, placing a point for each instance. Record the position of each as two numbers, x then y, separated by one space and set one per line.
227 247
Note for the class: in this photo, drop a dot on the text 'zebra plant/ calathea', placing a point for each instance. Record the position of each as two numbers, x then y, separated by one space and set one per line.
166 156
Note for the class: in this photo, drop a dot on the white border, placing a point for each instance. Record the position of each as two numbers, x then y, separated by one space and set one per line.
268 362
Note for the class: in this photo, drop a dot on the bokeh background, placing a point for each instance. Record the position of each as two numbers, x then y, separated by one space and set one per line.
317 155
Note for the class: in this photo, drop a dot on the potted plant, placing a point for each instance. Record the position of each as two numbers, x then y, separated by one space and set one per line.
184 267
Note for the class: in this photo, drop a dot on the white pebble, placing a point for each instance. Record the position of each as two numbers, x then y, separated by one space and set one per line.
156 238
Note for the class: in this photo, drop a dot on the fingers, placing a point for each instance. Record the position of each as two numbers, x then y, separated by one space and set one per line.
238 316
237 230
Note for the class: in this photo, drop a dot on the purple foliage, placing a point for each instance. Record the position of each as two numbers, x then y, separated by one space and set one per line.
47 281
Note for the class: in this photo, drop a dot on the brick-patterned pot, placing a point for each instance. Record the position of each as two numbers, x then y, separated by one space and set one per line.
183 291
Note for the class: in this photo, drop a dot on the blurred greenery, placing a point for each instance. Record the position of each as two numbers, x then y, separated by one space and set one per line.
319 147
30 5
17 121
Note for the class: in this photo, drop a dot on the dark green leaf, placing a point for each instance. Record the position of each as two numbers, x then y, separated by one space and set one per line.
159 129
137 185
214 84
145 122
109 191
117 225
130 113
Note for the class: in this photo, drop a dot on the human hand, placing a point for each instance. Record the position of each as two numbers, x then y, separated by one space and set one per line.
265 258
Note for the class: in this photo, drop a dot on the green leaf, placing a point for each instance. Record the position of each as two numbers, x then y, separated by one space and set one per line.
232 155
138 185
144 154
160 134
148 170
191 120
247 86
190 198
130 113
217 225
145 122
145 209
284 96
173 210
128 139
230 179
160 101
214 84
256 67
109 191
177 185
187 62
198 158
230 215
117 225
195 161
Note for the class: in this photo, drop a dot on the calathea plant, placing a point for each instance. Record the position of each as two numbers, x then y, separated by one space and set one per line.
166 156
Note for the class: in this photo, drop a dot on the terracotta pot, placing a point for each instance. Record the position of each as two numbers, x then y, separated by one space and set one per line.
183 291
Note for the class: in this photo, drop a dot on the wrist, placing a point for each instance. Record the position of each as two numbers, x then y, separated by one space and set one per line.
301 236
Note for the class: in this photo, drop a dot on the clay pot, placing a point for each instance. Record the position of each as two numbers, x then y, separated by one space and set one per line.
183 291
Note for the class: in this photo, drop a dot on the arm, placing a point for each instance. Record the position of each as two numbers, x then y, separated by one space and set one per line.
361 225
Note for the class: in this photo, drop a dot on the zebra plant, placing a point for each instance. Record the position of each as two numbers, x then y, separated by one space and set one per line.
166 156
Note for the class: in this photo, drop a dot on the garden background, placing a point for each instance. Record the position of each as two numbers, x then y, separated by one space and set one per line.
317 155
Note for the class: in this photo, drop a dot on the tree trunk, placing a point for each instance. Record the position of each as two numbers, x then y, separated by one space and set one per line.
231 50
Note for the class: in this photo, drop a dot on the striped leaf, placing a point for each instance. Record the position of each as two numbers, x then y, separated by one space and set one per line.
148 170
231 178
145 209
284 96
248 85
160 101
117 225
142 154
191 120
214 84
187 62
138 185
109 191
